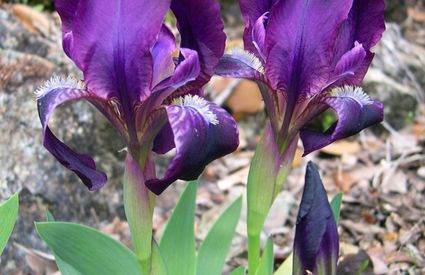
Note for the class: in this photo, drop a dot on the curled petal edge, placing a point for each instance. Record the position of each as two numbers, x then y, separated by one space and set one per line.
355 110
50 97
201 132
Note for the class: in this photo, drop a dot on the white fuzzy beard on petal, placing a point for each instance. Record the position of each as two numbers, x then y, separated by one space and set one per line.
355 93
56 82
199 104
247 58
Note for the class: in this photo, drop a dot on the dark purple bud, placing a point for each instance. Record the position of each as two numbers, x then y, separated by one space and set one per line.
316 244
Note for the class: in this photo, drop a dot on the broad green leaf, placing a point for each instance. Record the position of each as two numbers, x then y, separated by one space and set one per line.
238 271
87 251
8 216
336 206
177 244
158 265
267 260
214 249
286 267
63 266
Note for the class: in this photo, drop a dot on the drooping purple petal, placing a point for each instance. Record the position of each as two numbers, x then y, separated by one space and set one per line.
162 54
355 111
240 64
300 39
252 10
202 132
364 25
82 165
316 243
201 29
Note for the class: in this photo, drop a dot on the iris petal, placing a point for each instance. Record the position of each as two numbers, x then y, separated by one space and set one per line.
351 68
163 64
240 64
355 111
202 132
302 33
82 165
111 45
364 25
259 35
316 244
201 29
252 10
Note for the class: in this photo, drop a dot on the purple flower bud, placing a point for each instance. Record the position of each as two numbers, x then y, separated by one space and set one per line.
316 244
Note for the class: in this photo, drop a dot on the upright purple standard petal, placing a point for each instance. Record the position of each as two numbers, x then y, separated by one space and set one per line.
201 29
162 54
300 39
202 132
111 43
252 10
316 244
355 111
364 25
48 99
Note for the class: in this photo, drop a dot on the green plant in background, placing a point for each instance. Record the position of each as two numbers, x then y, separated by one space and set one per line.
8 216
39 5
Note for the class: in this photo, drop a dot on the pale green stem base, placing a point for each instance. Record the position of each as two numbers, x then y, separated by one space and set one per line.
269 170
139 204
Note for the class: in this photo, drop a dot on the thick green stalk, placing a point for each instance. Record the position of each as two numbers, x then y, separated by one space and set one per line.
139 204
269 170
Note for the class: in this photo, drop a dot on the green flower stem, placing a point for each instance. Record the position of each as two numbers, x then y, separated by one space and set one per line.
269 170
139 204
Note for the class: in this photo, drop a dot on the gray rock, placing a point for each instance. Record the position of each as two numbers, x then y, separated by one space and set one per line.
27 60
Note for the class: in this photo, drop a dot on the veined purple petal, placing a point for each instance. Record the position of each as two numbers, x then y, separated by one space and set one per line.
162 54
252 10
49 98
352 66
316 243
240 64
201 29
364 25
259 36
355 111
201 132
187 70
111 43
299 41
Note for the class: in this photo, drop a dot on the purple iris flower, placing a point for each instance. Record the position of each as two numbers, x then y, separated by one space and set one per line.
153 99
308 56
316 244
